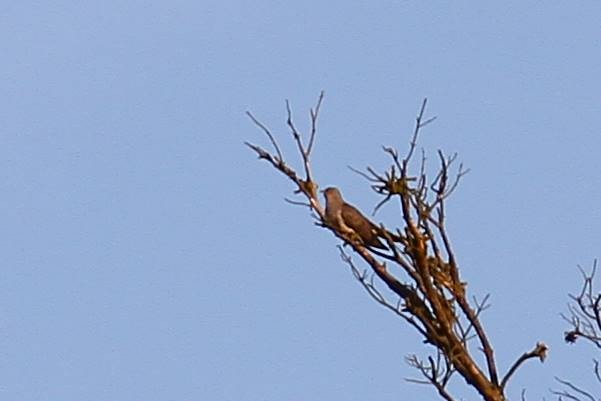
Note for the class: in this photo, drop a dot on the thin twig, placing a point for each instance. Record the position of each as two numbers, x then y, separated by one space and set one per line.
314 116
268 133
573 388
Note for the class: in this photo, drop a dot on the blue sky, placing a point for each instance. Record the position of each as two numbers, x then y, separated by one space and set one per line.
147 254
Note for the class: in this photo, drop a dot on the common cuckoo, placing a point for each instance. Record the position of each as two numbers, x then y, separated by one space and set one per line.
347 218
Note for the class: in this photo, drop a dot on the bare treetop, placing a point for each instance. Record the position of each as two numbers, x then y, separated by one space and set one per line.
429 294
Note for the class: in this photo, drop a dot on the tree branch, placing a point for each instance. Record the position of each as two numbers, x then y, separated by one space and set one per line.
540 352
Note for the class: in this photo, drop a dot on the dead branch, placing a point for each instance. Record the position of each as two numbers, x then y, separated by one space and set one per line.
584 319
540 352
585 311
428 293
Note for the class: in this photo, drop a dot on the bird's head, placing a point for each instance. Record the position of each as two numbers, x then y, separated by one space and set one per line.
332 193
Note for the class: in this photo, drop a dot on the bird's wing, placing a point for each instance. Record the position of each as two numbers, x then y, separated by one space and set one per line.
355 220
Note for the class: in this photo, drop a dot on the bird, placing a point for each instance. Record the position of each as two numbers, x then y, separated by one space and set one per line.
346 218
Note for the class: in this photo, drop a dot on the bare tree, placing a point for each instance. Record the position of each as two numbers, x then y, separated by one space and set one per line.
428 292
584 320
